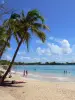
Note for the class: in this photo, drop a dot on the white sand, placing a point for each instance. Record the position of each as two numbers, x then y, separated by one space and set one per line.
38 90
5 96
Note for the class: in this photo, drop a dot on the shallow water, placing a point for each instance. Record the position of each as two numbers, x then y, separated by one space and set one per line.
48 72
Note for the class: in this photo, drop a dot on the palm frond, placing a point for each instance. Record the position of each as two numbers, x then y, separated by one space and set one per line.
46 27
14 16
39 33
16 37
27 39
41 26
34 14
22 14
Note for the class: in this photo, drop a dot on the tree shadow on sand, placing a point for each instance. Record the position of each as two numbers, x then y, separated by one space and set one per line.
13 84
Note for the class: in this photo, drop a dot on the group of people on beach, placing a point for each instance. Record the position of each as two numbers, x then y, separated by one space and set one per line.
65 72
25 73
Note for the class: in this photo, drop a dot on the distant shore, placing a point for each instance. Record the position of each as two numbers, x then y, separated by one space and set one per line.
3 62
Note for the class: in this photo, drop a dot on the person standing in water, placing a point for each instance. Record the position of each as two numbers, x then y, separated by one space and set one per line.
64 71
26 73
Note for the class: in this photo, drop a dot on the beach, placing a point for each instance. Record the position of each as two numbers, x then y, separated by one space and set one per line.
37 50
34 89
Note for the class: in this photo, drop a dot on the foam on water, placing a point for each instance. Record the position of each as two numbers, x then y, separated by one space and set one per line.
48 72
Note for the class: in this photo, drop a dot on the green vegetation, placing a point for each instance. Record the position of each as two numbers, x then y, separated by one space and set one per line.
5 62
21 27
3 32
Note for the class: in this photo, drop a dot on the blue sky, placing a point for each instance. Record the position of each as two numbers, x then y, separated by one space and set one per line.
60 44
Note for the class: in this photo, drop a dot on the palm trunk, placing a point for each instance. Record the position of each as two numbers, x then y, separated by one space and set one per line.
2 51
9 68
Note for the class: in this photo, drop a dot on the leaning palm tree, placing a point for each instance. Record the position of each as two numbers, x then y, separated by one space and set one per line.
33 22
3 39
3 42
9 29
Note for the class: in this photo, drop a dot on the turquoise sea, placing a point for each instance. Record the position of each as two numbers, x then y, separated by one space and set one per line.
48 72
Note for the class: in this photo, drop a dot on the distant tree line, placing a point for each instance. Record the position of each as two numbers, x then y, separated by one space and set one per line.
5 62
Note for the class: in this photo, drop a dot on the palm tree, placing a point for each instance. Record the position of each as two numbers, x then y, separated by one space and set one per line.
9 29
33 22
3 38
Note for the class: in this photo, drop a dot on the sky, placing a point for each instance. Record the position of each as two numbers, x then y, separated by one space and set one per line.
60 40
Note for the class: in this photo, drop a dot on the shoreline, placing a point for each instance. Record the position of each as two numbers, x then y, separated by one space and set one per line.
38 90
50 77
34 89
47 78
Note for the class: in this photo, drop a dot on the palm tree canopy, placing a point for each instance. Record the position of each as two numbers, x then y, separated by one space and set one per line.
20 26
33 22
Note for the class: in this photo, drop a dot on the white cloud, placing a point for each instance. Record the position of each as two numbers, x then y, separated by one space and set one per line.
51 38
55 49
21 53
59 51
48 52
36 59
40 51
29 59
39 42
44 51
66 47
7 57
54 39
23 58
65 43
